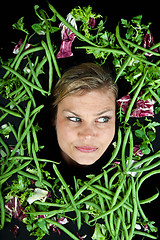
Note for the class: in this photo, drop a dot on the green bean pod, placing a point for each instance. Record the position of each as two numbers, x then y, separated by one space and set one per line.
135 97
128 51
134 216
116 150
62 228
78 34
69 194
2 210
24 80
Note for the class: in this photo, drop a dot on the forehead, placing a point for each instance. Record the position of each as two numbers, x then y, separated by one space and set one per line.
90 101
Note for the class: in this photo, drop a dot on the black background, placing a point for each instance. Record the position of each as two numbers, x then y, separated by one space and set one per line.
11 11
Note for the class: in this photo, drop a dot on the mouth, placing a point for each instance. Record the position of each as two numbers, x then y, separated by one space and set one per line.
86 149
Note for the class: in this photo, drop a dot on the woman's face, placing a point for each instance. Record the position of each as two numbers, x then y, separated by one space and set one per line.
85 125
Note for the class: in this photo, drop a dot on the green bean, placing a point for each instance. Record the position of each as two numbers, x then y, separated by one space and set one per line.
145 234
125 64
105 179
141 48
68 191
150 199
123 224
128 51
78 34
113 178
125 141
108 50
5 147
31 158
34 74
29 93
20 129
63 196
29 150
117 227
88 197
36 110
127 206
51 49
150 167
52 204
26 124
154 95
118 205
9 174
36 162
20 158
148 159
3 116
112 229
29 51
101 201
35 138
135 97
10 166
130 150
17 57
62 228
84 187
94 205
2 210
118 190
17 91
147 176
24 80
49 213
104 189
27 112
31 176
40 65
134 217
8 111
116 150
23 136
98 192
50 65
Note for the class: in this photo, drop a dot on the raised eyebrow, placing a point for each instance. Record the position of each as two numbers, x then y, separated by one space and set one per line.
104 112
69 111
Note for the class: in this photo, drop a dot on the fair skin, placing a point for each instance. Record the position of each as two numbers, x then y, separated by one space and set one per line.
85 125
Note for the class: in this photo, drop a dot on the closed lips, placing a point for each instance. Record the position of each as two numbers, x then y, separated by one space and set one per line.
86 149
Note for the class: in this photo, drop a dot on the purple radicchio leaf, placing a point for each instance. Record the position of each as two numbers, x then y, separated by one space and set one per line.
67 38
92 22
62 221
15 209
148 42
19 44
142 108
124 103
137 151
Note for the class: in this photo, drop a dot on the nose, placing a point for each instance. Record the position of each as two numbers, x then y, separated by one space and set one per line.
87 132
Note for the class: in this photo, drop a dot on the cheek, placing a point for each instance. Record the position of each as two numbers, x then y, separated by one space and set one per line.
107 135
64 132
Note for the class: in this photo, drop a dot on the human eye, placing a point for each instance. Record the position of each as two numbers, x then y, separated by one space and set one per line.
74 119
103 119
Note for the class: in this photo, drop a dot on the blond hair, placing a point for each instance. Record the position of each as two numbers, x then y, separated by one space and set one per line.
81 78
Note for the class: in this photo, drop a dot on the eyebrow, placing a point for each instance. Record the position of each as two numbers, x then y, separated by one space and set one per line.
98 114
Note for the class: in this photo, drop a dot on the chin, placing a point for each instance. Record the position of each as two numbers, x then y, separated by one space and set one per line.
86 161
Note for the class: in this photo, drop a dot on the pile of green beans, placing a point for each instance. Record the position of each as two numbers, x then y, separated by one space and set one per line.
115 199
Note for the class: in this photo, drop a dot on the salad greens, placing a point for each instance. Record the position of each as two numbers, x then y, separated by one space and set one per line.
111 204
